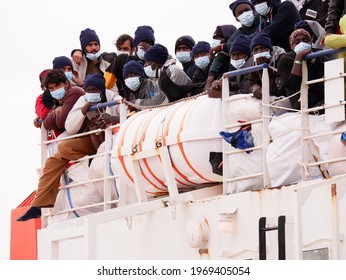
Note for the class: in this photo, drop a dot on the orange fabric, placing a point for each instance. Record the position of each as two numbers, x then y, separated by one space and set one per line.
110 80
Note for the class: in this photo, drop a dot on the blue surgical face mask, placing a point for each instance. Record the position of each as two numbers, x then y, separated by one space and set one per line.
183 57
215 43
246 18
301 47
150 72
140 53
261 54
59 93
202 62
133 83
92 97
262 8
238 63
69 75
93 56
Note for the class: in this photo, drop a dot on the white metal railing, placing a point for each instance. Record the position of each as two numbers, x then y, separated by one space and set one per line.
306 136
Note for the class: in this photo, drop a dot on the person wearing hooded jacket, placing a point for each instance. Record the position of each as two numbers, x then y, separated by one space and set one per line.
290 69
244 12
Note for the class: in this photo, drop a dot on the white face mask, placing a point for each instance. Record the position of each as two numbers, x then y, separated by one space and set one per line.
301 47
140 53
92 97
150 72
122 52
202 62
93 56
183 57
69 75
215 43
238 63
133 83
261 54
58 93
246 18
262 8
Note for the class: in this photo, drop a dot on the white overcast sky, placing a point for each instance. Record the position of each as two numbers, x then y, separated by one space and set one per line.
33 32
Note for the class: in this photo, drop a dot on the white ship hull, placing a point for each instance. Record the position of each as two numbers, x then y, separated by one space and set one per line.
217 227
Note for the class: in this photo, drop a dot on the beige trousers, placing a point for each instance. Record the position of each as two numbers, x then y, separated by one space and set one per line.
48 185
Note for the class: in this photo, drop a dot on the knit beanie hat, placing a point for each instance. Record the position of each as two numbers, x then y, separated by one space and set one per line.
224 32
201 46
234 5
86 36
255 2
295 33
262 39
157 53
62 61
134 67
241 44
143 33
304 25
184 40
97 80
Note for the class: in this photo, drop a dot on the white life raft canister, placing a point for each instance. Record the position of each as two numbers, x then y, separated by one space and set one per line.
190 129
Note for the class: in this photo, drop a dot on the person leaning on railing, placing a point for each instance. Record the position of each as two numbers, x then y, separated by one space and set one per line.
290 69
265 53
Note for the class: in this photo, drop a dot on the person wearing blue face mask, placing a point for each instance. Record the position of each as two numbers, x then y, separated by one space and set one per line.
264 52
165 73
65 64
243 12
240 58
79 120
65 96
290 69
183 48
200 54
143 91
92 60
143 40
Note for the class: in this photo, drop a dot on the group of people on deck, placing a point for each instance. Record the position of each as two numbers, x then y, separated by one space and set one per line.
143 72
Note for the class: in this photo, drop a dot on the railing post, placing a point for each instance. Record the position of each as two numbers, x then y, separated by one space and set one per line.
265 124
304 122
225 95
